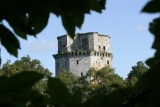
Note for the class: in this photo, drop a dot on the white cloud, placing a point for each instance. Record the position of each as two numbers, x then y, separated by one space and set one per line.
141 27
38 46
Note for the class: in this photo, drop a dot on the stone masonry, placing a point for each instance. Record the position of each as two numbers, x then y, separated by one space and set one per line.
85 51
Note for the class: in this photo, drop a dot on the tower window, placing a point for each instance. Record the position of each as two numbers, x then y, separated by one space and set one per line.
65 63
99 47
108 62
81 74
104 48
57 65
77 62
63 45
82 46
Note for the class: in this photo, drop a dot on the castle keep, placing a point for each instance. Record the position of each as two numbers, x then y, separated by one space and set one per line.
85 51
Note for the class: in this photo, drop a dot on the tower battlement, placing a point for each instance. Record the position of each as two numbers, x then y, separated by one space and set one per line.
84 51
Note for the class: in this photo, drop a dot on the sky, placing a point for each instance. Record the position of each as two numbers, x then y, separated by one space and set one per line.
122 21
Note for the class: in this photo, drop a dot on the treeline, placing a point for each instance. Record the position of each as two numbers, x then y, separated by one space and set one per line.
26 83
31 17
103 82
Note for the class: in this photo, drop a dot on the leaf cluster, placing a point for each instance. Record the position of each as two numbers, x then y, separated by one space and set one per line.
146 90
29 17
16 91
66 90
27 64
136 73
68 78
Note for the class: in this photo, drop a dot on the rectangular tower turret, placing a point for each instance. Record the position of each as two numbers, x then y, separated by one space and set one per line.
85 51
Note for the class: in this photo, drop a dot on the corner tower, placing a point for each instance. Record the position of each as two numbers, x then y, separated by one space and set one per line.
85 51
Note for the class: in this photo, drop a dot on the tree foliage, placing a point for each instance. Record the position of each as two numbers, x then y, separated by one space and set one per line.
29 17
103 81
24 64
106 81
147 88
104 88
136 73
68 78
16 91
27 64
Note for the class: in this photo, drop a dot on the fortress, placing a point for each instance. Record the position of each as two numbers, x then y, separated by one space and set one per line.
85 51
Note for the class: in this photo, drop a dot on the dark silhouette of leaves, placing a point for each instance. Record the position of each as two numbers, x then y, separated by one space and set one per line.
152 6
24 80
58 92
16 90
29 17
9 41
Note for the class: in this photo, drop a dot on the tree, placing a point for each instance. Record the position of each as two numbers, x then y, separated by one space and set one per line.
6 69
136 73
68 78
17 90
106 89
103 81
29 17
27 64
16 12
107 80
147 88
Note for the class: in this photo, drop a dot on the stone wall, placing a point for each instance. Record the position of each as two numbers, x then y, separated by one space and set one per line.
79 65
101 43
99 62
86 50
62 43
80 62
84 41
69 43
61 64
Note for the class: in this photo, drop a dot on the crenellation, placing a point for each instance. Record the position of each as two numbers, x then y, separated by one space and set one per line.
86 50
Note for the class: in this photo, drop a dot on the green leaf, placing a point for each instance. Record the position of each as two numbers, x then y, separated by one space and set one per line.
96 101
97 5
152 6
72 12
19 82
37 99
155 29
38 15
69 25
19 99
58 92
31 16
102 3
19 32
18 19
9 41
77 97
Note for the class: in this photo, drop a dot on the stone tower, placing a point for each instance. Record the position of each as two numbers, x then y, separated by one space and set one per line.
85 51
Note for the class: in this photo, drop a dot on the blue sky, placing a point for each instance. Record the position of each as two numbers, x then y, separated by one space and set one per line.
122 20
